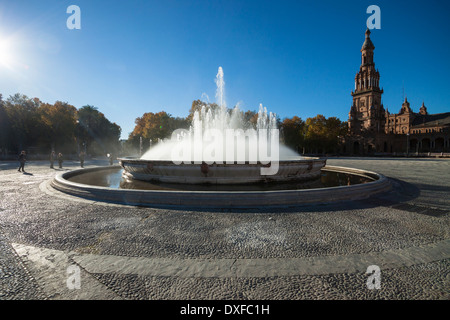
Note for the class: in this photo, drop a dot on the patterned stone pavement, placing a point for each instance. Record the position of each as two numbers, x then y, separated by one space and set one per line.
55 246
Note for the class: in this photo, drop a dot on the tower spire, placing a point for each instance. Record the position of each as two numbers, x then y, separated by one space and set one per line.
368 44
367 95
423 109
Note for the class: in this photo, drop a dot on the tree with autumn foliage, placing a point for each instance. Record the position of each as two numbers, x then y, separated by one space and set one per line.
315 135
292 130
29 124
322 135
58 123
155 126
197 106
22 120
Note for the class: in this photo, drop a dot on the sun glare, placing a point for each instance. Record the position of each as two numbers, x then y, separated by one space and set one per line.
6 56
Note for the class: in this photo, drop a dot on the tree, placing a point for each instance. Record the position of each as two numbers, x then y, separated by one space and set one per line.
95 133
322 134
251 117
58 124
293 132
335 129
197 105
28 123
5 127
156 126
23 118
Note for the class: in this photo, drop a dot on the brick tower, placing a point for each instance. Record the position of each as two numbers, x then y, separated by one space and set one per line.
367 114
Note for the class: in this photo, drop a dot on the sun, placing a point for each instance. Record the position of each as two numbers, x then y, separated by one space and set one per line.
6 55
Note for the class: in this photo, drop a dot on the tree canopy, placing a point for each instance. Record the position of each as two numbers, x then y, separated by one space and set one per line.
313 135
322 134
95 132
30 124
155 126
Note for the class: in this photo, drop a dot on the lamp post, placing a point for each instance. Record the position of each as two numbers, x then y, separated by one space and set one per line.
77 130
304 137
407 144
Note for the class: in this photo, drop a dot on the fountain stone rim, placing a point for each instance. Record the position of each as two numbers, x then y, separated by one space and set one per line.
223 199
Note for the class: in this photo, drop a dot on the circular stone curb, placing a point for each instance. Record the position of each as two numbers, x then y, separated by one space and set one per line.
223 199
304 169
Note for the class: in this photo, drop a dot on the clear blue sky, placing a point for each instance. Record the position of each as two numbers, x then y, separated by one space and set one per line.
294 57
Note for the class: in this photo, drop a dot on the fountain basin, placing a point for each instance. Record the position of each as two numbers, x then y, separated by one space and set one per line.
224 199
299 169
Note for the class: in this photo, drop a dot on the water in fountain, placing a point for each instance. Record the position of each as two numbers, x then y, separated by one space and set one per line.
212 130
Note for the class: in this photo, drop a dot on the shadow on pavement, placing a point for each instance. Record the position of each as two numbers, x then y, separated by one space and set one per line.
400 193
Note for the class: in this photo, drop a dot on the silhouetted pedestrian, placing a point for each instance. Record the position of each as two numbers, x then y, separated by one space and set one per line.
52 159
22 160
60 159
82 159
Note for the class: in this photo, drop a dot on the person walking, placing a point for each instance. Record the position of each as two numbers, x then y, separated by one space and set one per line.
52 159
82 159
22 160
110 157
60 159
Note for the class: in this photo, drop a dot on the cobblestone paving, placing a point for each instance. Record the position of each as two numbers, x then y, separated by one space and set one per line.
414 214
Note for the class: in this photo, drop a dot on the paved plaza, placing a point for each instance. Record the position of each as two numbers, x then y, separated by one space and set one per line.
56 246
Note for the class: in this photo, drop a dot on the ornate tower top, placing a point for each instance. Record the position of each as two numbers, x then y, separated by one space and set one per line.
423 109
368 78
368 44
405 107
367 52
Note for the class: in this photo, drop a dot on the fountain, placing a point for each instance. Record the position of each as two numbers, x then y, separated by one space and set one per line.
221 148
222 161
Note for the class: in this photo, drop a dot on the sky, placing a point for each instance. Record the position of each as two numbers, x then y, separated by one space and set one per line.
297 58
